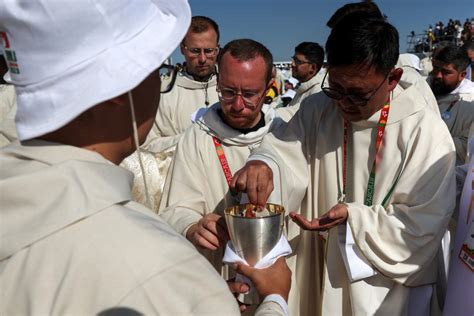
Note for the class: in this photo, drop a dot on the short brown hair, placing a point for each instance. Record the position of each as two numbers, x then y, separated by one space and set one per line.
200 24
247 49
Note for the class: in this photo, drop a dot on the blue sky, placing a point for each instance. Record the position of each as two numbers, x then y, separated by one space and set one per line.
282 24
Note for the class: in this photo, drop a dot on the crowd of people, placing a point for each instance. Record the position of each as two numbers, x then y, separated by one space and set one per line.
116 167
454 32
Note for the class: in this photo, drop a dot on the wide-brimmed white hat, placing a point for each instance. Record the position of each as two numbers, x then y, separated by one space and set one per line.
64 57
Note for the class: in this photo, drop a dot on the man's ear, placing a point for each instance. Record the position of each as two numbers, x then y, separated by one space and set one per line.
181 48
462 75
394 77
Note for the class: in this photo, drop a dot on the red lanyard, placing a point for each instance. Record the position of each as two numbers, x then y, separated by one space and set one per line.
222 159
380 133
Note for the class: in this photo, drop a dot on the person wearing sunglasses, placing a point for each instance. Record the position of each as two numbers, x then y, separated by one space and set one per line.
194 85
217 145
367 168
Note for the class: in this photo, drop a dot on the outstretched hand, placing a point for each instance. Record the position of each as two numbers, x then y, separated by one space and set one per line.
335 216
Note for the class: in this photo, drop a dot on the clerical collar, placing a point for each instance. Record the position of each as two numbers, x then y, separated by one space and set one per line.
260 124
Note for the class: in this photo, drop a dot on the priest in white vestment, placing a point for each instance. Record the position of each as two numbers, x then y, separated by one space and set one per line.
195 85
215 146
375 166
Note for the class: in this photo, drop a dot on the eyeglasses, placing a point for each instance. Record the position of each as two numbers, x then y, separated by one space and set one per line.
209 52
250 98
299 61
356 99
168 74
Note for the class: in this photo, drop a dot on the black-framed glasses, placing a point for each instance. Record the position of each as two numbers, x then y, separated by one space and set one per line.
168 74
356 99
195 51
250 98
298 61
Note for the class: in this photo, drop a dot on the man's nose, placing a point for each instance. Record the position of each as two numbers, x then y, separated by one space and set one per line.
437 74
202 57
238 103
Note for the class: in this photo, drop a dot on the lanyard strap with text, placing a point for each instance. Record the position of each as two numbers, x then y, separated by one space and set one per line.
222 159
380 133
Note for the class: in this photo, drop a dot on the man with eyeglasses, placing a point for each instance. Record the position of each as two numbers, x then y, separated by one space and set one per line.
194 86
454 93
217 145
371 166
305 66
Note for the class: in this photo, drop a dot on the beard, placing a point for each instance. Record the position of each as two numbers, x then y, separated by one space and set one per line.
440 88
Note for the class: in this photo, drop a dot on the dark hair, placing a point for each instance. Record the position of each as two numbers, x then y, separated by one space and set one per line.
246 49
469 45
452 54
200 24
371 42
312 51
361 10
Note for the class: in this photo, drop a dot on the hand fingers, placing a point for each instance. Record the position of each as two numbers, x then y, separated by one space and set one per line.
239 181
244 269
304 223
215 224
222 231
264 189
208 238
238 287
203 242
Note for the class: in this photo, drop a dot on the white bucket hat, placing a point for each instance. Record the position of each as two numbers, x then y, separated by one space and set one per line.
64 57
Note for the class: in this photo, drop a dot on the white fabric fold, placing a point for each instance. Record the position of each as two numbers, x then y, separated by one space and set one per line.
357 266
282 248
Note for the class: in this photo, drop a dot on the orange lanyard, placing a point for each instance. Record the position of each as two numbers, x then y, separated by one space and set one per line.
380 133
222 159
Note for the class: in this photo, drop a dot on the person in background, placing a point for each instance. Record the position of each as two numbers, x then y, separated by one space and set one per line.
194 88
454 94
291 85
305 66
469 48
191 87
410 64
73 242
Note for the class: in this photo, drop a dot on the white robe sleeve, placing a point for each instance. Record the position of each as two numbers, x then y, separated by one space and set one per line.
356 265
401 240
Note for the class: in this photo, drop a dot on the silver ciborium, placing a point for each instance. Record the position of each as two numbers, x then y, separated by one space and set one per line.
254 237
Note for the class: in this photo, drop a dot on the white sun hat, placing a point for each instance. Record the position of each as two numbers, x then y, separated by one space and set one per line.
408 60
64 57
